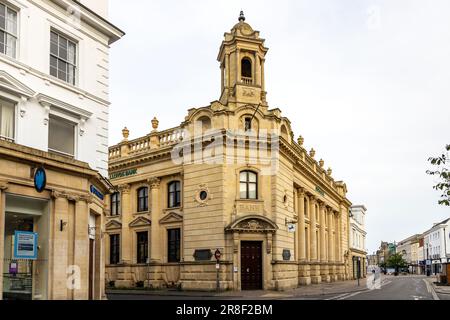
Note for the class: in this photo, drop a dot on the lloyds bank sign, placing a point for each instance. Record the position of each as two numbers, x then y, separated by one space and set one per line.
123 174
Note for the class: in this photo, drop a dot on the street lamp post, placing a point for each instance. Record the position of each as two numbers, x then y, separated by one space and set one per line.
429 260
217 255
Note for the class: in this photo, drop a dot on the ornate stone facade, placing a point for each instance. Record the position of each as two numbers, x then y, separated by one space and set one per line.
277 216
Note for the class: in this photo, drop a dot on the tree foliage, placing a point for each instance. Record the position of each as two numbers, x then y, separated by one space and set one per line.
442 173
396 261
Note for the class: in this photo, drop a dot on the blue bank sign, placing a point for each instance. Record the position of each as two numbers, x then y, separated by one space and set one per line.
40 179
25 245
97 192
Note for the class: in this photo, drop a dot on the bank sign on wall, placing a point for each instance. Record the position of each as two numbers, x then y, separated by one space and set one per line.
25 245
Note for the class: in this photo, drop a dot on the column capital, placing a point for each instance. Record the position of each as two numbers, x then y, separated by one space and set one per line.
56 194
86 198
301 191
3 185
321 204
312 197
124 188
154 183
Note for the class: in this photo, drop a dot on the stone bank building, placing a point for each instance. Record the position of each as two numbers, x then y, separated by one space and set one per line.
53 147
275 228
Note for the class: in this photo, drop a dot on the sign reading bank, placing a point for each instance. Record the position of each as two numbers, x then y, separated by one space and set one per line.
25 245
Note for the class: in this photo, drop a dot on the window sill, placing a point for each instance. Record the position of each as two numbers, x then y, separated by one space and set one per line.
140 213
173 209
115 216
60 153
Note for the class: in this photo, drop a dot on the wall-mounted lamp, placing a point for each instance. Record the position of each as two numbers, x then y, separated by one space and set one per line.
62 224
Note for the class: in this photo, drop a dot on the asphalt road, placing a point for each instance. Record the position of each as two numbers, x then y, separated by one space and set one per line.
393 288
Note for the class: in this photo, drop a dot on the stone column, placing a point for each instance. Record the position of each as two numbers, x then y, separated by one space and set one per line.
81 249
258 70
323 255
227 71
263 84
331 244
304 268
315 267
339 252
296 249
301 225
312 227
127 217
324 270
155 244
330 235
238 67
3 187
59 256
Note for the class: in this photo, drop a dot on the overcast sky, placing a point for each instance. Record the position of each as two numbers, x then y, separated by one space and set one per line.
367 84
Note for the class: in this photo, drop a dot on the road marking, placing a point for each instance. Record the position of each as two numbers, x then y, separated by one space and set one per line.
336 297
431 290
350 295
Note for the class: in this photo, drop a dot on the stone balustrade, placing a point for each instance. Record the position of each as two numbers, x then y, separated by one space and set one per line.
144 144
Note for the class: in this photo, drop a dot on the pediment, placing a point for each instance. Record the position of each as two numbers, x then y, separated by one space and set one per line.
113 225
252 223
171 217
14 86
140 222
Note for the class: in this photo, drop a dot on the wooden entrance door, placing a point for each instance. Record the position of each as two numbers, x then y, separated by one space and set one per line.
251 265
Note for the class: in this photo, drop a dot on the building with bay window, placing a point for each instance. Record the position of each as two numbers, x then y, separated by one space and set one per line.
232 179
53 147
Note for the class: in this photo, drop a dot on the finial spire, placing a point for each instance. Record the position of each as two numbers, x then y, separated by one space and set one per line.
241 16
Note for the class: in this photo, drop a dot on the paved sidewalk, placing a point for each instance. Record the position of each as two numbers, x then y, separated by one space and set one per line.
339 287
441 289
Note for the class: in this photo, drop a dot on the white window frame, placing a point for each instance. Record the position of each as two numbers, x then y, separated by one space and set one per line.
16 36
77 49
59 115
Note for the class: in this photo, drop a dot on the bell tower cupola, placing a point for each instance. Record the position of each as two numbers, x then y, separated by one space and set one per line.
242 55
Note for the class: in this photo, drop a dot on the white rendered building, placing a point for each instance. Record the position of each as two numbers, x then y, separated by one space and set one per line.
54 73
437 245
358 240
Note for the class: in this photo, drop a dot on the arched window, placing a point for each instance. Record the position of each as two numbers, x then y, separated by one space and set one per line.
205 123
246 68
248 186
174 194
142 198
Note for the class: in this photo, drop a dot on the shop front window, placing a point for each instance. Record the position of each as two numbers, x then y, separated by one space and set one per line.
25 263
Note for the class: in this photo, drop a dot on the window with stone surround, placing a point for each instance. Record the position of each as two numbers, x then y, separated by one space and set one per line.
246 69
248 185
114 249
115 204
174 194
142 199
142 246
173 245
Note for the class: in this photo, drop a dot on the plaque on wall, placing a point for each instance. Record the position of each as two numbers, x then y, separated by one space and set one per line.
202 255
286 255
